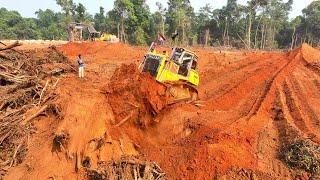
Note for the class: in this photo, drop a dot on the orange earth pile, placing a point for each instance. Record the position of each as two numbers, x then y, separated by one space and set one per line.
252 104
135 96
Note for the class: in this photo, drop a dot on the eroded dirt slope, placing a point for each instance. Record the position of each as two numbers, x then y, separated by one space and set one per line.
252 104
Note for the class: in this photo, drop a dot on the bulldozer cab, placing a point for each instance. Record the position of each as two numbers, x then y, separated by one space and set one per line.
186 60
152 64
181 66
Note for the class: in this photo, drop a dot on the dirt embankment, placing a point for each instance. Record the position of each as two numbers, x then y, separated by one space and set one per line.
134 96
254 104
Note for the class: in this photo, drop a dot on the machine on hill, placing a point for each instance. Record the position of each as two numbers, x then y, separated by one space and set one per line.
178 72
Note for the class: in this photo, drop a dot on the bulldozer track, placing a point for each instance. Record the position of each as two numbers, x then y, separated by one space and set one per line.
251 75
237 74
286 132
316 83
314 68
265 92
293 109
302 98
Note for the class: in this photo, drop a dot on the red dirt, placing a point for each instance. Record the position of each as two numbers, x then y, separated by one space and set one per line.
253 103
135 96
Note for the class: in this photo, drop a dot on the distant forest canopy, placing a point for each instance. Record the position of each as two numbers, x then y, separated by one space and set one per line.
261 24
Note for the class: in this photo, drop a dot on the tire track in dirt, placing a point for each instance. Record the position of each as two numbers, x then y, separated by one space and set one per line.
291 112
234 67
279 65
253 78
304 100
314 68
285 130
293 109
257 105
316 83
311 74
238 72
292 63
227 88
304 90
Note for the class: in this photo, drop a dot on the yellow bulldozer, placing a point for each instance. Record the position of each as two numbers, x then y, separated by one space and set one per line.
109 38
178 72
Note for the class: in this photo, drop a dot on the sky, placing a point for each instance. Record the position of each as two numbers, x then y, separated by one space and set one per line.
27 8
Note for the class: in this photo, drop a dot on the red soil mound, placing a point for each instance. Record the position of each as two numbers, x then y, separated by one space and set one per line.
135 96
310 54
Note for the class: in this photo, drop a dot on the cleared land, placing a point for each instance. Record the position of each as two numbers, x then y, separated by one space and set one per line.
253 104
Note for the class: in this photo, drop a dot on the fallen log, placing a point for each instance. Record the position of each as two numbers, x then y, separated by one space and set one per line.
15 44
43 90
41 110
124 120
13 78
13 49
15 154
3 67
4 56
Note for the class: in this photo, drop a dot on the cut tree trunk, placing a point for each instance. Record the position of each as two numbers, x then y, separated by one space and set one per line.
118 28
249 31
256 34
4 56
15 44
207 33
293 38
225 32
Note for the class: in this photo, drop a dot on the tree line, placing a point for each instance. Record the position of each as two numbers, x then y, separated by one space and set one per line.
260 24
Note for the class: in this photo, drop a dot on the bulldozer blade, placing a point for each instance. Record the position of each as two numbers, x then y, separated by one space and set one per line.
181 93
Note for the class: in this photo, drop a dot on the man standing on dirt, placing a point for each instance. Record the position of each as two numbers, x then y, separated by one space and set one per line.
81 66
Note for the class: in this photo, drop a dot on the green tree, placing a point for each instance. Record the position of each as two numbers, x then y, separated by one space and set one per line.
159 18
27 29
48 26
80 13
121 12
203 23
228 18
140 24
68 9
179 18
139 37
67 6
13 26
100 20
277 12
311 23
